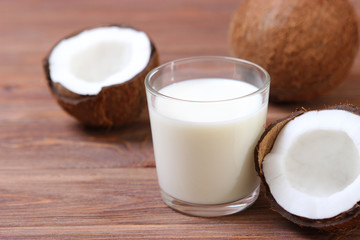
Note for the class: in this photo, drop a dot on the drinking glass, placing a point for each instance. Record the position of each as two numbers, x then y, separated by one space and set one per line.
207 114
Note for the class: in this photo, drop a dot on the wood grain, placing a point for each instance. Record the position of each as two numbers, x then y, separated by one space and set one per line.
60 180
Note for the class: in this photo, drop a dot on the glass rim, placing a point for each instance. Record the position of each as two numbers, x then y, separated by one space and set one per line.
234 60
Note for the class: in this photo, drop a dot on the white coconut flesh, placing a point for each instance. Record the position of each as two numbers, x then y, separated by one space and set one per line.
313 169
99 57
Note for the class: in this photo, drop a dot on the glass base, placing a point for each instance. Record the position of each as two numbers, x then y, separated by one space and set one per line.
213 210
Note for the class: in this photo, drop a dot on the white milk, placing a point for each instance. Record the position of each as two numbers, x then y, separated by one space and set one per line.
204 150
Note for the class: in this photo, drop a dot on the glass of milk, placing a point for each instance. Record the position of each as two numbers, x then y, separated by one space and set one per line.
207 114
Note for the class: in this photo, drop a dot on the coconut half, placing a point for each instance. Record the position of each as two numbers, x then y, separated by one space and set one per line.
309 163
97 75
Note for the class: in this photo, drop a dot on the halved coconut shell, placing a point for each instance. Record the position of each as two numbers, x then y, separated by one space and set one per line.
114 106
345 221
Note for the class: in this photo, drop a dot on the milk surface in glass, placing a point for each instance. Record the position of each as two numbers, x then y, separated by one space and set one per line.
204 145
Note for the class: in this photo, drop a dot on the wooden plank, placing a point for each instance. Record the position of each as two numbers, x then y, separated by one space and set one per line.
164 231
118 203
36 144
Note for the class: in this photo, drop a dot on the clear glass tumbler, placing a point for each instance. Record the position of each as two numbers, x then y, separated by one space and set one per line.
207 114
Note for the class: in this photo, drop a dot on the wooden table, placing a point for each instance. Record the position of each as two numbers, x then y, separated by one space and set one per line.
61 180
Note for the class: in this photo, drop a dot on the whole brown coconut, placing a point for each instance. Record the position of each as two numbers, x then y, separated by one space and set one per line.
115 105
307 46
346 221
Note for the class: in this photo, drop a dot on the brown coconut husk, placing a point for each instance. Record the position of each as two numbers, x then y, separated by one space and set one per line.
307 46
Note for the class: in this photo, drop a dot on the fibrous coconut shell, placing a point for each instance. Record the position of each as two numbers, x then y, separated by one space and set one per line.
307 46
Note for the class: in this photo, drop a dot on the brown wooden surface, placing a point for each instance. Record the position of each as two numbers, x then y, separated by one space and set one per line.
61 180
